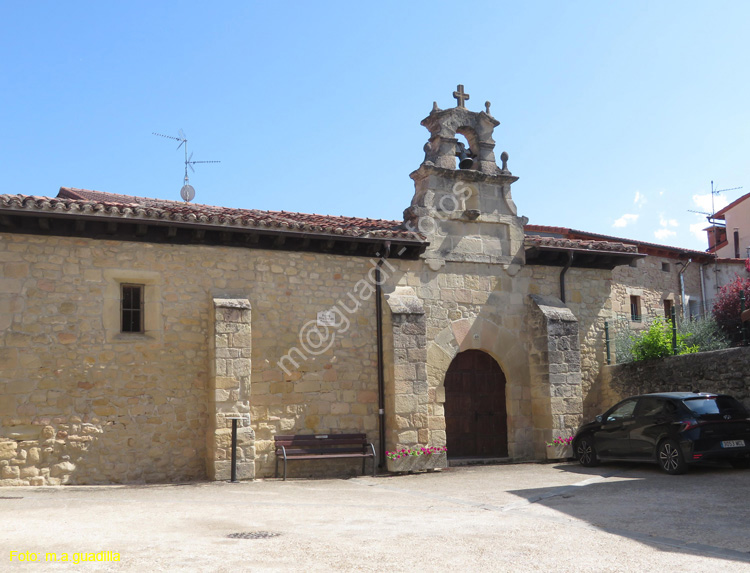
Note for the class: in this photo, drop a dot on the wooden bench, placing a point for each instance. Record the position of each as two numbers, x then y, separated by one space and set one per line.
323 446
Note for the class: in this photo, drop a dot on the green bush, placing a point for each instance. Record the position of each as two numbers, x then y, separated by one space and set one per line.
704 333
656 342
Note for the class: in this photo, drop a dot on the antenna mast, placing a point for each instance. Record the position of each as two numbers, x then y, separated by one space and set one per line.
187 192
712 219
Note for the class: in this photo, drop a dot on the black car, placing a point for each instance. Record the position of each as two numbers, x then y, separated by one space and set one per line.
673 429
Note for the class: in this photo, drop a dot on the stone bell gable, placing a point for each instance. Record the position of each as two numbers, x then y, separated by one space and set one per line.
465 210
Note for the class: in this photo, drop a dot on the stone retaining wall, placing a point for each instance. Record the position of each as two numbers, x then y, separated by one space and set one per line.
725 371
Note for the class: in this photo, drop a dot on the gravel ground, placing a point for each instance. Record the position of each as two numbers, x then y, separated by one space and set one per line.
525 517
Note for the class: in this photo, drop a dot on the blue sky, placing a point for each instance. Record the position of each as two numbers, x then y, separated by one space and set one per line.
616 115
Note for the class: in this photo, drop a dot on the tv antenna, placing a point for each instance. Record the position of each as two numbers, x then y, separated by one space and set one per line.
187 192
711 218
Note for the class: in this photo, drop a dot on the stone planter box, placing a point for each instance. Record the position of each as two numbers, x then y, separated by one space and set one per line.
418 463
559 452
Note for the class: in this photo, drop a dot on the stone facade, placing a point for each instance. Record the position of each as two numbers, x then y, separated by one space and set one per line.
77 407
272 320
655 280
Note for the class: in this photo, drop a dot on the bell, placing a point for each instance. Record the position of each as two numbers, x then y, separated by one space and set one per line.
465 161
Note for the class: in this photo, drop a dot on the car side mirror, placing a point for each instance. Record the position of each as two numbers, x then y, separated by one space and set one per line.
599 418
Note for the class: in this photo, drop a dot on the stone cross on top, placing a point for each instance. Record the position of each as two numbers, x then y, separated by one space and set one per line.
460 95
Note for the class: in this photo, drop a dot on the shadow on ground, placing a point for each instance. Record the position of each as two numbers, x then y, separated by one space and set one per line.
704 511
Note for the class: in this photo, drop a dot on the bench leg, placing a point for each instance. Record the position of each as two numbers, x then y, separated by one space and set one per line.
374 462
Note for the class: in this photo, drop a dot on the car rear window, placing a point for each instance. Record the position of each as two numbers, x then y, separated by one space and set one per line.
705 406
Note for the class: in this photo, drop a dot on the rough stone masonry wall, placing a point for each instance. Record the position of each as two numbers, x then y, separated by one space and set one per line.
229 390
654 285
588 296
723 371
555 371
79 405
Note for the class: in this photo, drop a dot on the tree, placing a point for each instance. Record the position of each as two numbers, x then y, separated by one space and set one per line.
727 308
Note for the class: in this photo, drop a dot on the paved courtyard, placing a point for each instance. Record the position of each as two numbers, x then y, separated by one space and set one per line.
525 517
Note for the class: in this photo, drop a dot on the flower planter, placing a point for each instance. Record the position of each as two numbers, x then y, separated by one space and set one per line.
419 463
559 452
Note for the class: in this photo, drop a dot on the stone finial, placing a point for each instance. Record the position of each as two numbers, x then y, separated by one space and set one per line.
487 105
504 159
460 96
435 107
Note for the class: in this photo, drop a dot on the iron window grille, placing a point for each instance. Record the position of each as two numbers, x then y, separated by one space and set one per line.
635 309
132 307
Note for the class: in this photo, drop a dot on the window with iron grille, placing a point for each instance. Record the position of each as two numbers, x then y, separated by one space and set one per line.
131 307
635 308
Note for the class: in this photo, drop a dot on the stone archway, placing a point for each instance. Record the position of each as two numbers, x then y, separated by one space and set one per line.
476 421
509 351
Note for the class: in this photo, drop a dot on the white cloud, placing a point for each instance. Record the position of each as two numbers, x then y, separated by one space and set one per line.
662 234
703 202
668 222
640 200
625 220
697 230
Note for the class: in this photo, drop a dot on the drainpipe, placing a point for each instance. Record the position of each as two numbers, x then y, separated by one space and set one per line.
562 275
381 367
703 292
682 285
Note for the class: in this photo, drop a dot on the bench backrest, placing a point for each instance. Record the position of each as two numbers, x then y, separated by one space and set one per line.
320 442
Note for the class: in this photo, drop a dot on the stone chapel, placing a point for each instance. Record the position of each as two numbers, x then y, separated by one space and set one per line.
132 330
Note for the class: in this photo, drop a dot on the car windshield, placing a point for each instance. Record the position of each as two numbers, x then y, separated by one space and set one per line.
704 406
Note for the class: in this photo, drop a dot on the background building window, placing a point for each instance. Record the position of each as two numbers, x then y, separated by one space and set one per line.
635 308
132 308
668 309
665 267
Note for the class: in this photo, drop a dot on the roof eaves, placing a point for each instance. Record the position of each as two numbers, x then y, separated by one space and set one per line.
156 214
721 212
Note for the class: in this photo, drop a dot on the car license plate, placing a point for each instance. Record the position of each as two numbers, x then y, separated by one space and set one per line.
733 444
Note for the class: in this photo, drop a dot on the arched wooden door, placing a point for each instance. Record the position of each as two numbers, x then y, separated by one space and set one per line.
476 421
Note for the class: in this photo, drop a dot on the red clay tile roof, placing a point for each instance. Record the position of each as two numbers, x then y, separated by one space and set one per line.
98 203
579 244
585 235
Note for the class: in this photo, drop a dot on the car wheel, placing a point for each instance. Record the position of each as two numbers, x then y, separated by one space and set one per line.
740 463
586 452
670 458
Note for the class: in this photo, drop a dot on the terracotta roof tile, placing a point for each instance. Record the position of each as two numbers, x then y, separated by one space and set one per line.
579 244
585 235
97 203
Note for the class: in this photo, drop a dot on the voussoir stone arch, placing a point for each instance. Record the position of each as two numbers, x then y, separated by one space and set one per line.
509 352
